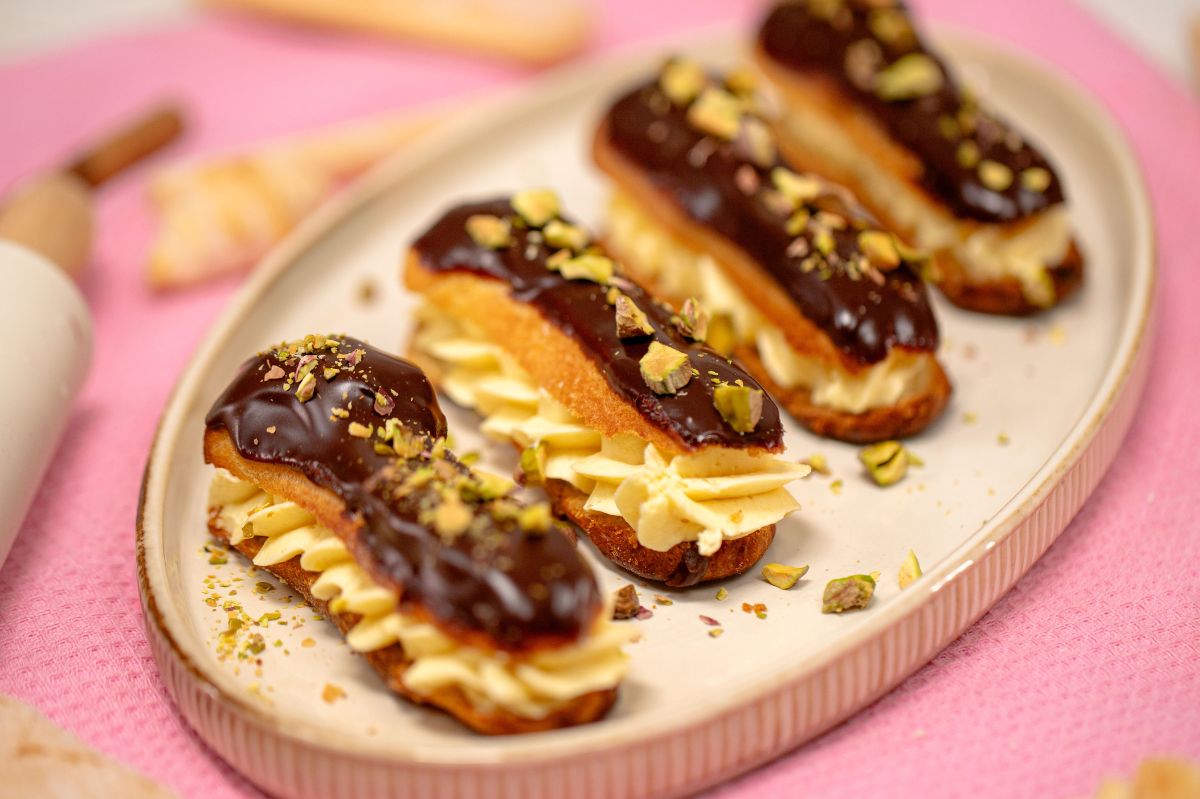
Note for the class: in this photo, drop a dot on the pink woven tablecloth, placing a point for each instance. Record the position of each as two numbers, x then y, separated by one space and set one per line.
1086 667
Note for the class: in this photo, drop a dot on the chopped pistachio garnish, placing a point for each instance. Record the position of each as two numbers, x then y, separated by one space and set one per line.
862 61
722 594
681 80
560 234
536 206
692 320
665 369
824 242
631 320
910 570
360 430
596 268
798 189
452 517
781 576
532 468
847 593
892 26
740 406
625 602
489 231
887 462
535 519
880 249
274 373
967 154
741 80
383 404
818 464
909 77
716 112
307 387
557 259
754 142
722 337
331 372
995 175
1035 179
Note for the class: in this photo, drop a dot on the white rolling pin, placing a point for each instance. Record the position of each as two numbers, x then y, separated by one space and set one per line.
48 337
45 239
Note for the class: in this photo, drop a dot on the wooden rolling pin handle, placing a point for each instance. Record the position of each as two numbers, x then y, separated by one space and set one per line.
127 146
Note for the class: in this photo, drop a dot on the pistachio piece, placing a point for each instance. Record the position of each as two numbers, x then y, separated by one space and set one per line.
967 154
721 335
847 593
891 26
681 80
908 77
742 80
739 406
359 430
531 470
798 189
631 320
596 268
536 206
880 249
910 570
783 577
665 369
535 519
716 112
557 259
887 462
625 602
1035 179
452 517
383 404
862 63
754 142
692 320
818 464
307 387
274 373
824 242
489 231
796 225
560 235
995 175
948 127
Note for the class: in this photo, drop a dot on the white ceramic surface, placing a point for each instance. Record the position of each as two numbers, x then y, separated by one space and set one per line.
695 709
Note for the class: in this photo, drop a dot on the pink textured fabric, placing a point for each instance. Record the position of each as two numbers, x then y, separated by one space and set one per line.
1086 667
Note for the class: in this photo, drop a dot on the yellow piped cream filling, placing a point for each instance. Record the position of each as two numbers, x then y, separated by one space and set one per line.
987 253
531 686
710 496
682 272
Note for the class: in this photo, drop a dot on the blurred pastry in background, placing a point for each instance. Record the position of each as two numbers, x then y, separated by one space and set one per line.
222 214
525 30
868 103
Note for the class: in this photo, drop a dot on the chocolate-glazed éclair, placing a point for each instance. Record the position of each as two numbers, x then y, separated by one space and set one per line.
871 53
323 411
721 186
581 310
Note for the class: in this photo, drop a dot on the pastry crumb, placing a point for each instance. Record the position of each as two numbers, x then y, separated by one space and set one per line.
331 693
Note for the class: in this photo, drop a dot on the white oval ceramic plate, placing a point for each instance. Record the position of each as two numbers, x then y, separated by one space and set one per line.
1038 412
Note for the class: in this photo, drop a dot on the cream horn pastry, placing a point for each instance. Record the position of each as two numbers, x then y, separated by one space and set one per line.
824 308
333 474
661 450
869 103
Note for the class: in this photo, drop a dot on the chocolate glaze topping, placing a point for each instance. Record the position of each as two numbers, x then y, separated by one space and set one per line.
713 183
851 42
580 309
517 587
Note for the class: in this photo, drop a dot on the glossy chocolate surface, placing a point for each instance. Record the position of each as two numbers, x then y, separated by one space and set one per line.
706 180
516 587
579 308
932 127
